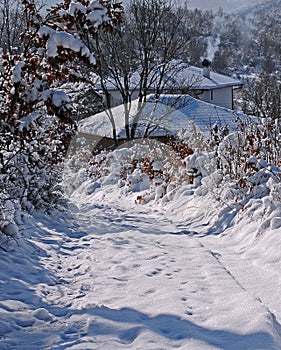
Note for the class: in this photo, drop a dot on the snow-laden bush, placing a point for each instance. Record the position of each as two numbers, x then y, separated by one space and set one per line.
256 138
147 168
194 137
36 114
245 167
249 160
30 168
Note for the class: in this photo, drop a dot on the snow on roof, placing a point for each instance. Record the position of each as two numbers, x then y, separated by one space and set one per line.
184 77
216 80
171 114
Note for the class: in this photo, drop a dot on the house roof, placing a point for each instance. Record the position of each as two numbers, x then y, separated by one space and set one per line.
170 115
184 77
215 81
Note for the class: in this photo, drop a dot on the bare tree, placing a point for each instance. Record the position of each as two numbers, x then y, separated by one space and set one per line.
119 61
262 97
11 25
140 60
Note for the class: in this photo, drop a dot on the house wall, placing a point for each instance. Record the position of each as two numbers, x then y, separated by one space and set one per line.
224 97
206 96
220 97
116 98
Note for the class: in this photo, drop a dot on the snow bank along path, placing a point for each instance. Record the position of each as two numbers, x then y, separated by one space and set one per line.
128 277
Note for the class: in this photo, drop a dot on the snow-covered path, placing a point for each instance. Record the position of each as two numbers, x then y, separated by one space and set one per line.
127 277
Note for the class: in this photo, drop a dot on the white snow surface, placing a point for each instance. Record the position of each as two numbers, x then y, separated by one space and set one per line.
184 77
111 274
170 114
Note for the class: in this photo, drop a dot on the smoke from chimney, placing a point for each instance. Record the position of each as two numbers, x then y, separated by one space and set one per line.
213 46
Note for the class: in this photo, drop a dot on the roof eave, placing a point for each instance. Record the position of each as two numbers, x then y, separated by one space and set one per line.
220 86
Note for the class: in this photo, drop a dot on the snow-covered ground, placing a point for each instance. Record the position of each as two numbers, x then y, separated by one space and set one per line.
113 274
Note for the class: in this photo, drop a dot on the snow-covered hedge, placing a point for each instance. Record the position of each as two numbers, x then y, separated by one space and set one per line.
30 168
236 173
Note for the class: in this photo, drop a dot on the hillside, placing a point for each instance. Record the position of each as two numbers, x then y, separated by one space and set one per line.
225 5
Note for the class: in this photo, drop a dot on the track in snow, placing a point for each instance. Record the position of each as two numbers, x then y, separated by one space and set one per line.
127 278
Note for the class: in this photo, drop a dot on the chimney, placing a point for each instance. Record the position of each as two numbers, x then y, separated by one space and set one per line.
206 68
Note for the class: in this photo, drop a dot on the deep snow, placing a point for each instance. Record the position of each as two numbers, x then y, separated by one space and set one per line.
113 274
